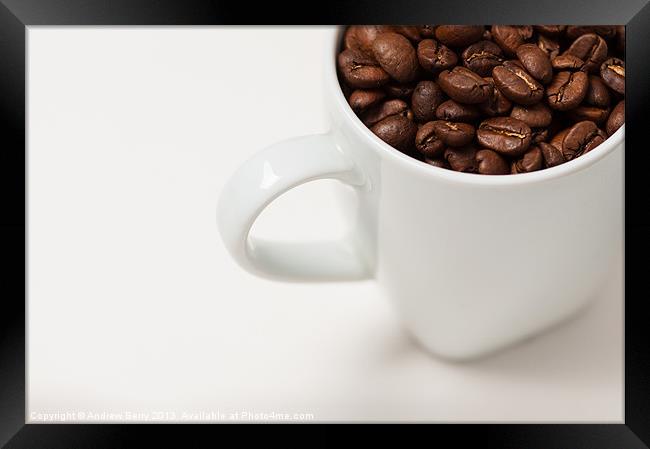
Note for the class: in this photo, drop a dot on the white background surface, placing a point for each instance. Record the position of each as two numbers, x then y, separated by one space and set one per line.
134 306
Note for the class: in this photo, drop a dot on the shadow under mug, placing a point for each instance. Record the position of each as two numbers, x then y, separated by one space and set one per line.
471 262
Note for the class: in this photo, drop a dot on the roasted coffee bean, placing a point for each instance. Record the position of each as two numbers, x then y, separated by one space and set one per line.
531 161
550 30
575 31
505 135
482 57
517 84
552 155
453 134
616 118
491 163
396 56
591 48
427 31
361 37
590 113
567 90
427 96
612 72
538 135
386 109
428 143
567 62
435 57
441 163
462 159
397 131
457 112
410 32
464 86
557 139
459 35
597 93
536 62
362 99
549 46
499 99
497 104
361 71
535 116
582 138
397 90
509 38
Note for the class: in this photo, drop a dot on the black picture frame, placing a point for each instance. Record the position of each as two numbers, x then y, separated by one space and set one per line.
16 15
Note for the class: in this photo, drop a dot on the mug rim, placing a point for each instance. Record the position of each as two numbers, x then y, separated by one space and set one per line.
384 149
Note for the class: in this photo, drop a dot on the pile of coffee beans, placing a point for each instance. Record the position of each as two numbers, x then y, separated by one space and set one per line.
493 100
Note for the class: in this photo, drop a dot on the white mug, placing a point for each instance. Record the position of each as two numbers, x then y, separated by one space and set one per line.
471 262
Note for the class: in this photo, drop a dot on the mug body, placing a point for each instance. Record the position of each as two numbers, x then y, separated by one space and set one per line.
471 262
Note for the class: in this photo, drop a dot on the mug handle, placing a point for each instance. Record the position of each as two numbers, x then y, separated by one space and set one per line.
271 172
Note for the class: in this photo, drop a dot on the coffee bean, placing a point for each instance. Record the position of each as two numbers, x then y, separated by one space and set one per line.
491 163
529 162
616 118
517 84
396 56
487 35
361 37
397 131
552 155
427 31
435 57
550 30
509 38
397 90
591 48
582 138
550 47
362 99
453 134
410 32
457 112
427 96
597 93
567 62
459 35
386 109
361 71
482 57
536 62
497 104
574 31
462 159
589 113
535 116
464 86
448 96
427 141
557 139
538 135
505 135
612 72
441 163
567 90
